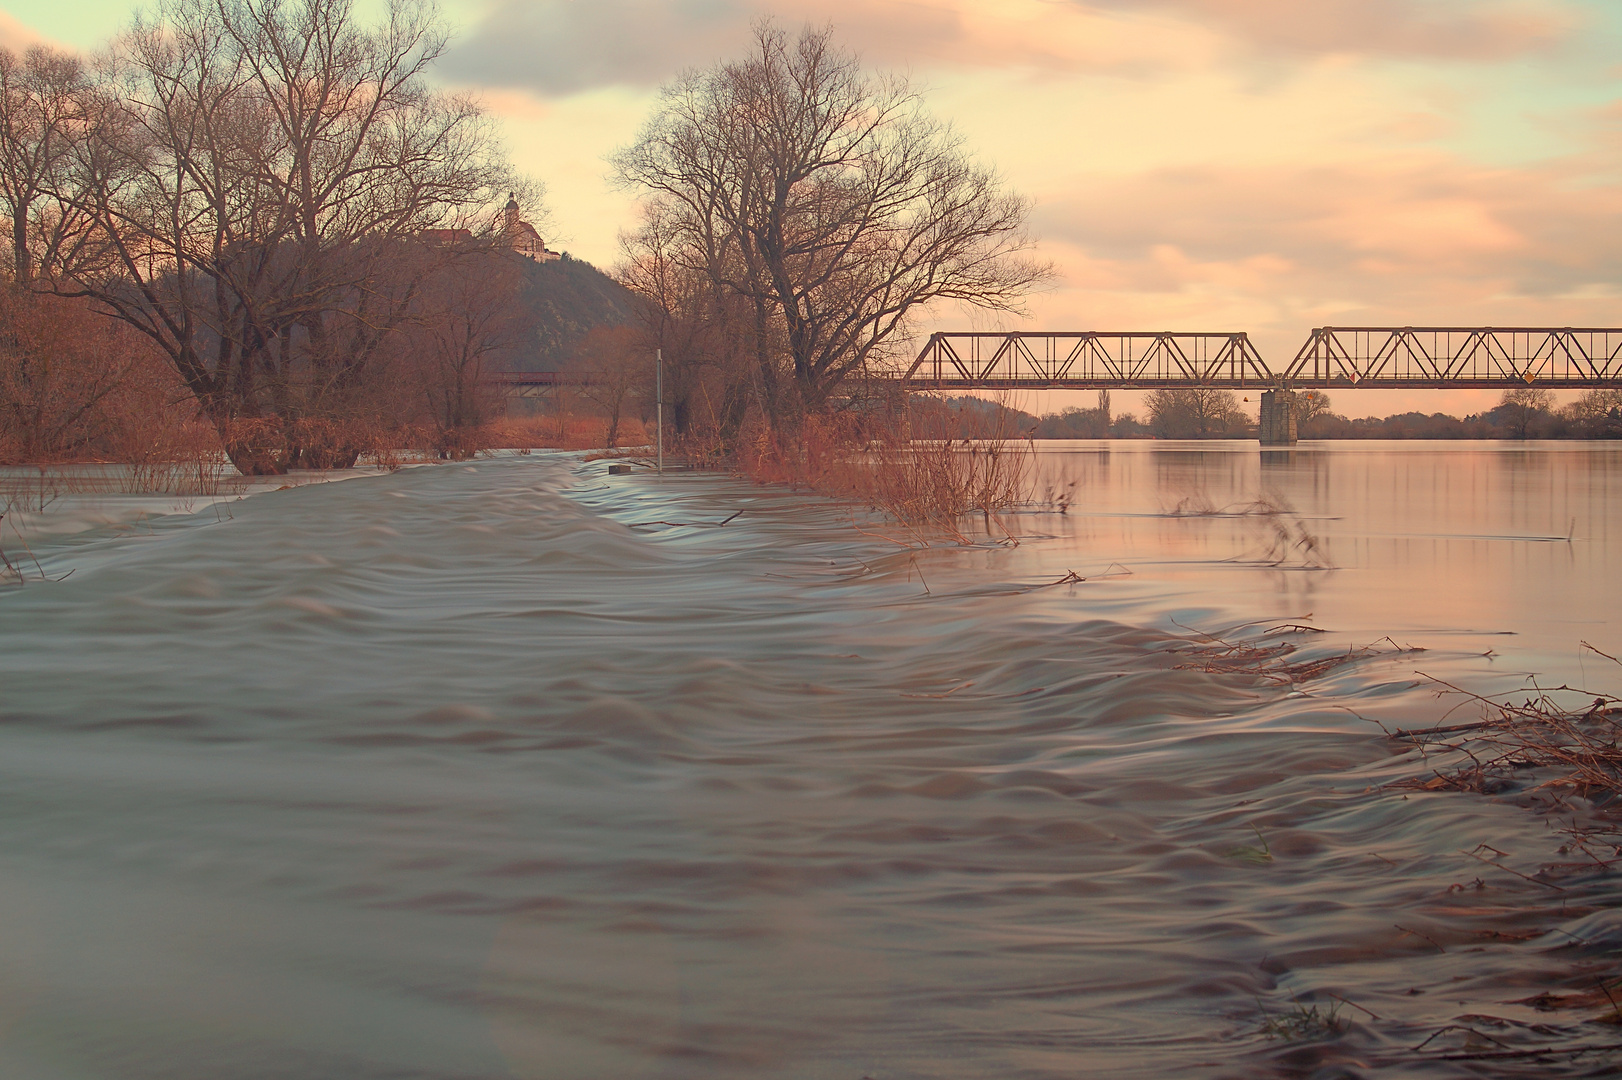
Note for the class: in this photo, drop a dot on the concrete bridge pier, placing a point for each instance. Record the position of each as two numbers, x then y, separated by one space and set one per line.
1277 426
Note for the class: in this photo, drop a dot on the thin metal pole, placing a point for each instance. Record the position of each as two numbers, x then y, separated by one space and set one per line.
659 392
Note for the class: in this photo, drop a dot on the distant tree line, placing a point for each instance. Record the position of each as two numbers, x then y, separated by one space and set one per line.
1521 413
1204 413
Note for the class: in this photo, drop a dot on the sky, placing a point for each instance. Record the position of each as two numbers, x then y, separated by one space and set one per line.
1265 166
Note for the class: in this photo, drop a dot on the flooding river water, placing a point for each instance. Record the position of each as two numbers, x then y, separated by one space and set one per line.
515 769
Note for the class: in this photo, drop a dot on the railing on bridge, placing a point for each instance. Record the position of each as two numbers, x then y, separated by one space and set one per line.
1457 356
1332 357
1083 359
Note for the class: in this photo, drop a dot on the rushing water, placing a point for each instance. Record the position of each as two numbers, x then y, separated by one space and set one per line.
516 769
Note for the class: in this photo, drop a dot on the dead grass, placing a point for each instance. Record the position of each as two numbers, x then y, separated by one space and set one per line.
1555 751
183 459
1302 1022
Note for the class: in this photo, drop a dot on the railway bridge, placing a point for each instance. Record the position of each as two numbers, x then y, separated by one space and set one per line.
523 385
1435 357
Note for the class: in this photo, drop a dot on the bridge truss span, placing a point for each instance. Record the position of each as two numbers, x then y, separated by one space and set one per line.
1458 356
1087 359
1333 356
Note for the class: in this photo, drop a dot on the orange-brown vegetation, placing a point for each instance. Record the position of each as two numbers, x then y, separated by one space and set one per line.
616 357
464 319
353 218
925 466
77 386
572 432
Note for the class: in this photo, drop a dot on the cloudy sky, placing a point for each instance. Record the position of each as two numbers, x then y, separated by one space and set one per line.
1258 165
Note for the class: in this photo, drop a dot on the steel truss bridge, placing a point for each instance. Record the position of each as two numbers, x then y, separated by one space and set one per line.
1344 357
534 384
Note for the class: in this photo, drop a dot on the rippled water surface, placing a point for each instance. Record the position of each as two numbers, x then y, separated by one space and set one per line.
514 769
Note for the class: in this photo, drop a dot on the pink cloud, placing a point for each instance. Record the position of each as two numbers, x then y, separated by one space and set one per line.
1430 215
565 46
18 36
1462 29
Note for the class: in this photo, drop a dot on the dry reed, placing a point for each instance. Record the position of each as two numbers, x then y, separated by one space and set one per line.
1286 541
1267 660
927 472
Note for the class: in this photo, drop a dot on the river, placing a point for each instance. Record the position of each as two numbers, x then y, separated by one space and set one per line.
516 769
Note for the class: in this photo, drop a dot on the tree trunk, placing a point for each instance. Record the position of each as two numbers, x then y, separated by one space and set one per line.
22 264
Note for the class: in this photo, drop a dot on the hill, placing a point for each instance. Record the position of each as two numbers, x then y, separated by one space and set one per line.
568 298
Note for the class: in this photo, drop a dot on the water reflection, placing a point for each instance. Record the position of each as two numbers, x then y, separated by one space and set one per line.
1427 537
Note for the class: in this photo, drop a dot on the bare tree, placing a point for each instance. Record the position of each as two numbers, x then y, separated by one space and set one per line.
66 376
61 367
465 317
1310 404
45 104
1522 405
830 201
1195 412
260 176
703 331
616 362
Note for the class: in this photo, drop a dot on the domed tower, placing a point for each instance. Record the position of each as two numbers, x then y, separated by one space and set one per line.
510 228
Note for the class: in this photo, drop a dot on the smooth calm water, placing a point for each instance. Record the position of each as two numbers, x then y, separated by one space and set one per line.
517 770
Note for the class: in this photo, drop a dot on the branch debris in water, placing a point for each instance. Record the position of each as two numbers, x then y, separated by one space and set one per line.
1219 656
1573 748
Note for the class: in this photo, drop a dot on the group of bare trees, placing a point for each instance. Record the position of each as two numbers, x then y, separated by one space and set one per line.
46 111
273 196
1529 412
1597 414
1196 412
799 211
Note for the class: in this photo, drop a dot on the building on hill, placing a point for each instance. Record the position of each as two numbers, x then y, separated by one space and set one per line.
516 233
521 235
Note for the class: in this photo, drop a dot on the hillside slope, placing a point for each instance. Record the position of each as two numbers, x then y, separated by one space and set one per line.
568 298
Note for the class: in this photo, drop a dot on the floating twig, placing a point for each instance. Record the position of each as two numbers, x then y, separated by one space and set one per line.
1507 870
1419 934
